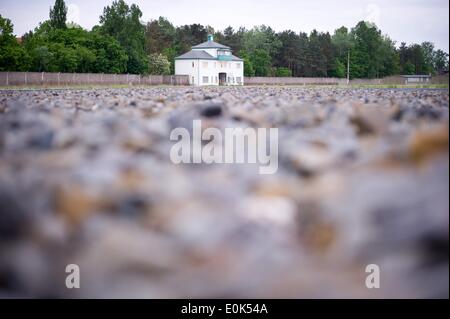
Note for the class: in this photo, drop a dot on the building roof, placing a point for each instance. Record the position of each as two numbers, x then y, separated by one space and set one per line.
202 55
235 58
195 54
416 76
210 45
198 51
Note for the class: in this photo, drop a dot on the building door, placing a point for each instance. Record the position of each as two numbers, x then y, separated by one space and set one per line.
222 78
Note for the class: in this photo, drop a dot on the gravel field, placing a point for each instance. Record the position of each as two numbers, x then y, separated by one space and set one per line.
86 179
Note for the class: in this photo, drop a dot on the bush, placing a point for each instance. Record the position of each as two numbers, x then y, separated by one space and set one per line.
158 64
283 72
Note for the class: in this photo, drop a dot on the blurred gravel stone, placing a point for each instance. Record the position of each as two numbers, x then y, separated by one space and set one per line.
86 178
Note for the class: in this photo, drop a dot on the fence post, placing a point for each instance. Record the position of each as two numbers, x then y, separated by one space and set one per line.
7 78
42 77
26 78
59 81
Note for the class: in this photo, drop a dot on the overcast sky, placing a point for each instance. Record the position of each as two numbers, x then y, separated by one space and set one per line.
403 20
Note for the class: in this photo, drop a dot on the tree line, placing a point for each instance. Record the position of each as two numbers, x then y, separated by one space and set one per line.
121 43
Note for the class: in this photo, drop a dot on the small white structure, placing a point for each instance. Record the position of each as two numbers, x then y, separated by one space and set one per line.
413 79
210 63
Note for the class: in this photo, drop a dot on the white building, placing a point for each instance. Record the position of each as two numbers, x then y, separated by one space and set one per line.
210 63
416 79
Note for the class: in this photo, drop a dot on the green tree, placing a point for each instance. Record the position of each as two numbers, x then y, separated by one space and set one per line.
13 57
317 59
428 52
231 38
42 59
188 36
58 15
121 43
387 58
440 61
365 62
110 57
159 35
67 59
414 60
261 38
248 65
326 53
261 62
343 44
409 68
403 55
289 51
74 50
339 70
122 22
417 57
302 66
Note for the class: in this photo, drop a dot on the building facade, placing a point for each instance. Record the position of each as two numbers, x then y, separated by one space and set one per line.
416 79
210 63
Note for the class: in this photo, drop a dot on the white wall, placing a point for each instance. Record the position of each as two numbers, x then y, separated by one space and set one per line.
211 70
185 67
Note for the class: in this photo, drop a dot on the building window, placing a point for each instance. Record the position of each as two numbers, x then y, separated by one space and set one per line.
193 64
193 80
238 65
216 79
204 65
205 80
239 79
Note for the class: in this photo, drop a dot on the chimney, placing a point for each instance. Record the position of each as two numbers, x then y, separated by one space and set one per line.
210 37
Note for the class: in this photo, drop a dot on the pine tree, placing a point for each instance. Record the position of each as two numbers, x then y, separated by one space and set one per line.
58 15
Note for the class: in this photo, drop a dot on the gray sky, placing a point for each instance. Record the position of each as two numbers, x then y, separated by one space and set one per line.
403 20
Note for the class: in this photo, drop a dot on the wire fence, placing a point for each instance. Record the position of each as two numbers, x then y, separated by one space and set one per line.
390 80
69 79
